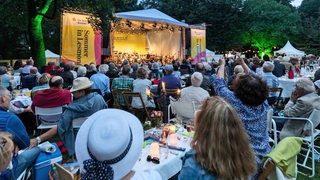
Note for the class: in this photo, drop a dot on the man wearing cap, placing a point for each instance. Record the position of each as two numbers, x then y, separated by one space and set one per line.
85 103
53 97
108 146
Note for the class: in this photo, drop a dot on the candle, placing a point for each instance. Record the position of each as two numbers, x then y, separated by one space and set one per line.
148 92
172 129
163 87
154 150
173 139
178 92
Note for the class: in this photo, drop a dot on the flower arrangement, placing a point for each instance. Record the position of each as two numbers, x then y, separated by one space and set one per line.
156 118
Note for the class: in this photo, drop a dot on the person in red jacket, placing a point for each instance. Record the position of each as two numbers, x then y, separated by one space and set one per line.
54 96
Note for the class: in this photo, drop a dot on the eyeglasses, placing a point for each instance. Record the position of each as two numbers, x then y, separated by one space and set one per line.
153 159
3 142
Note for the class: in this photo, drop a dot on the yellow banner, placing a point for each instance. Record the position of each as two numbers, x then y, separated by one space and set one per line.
198 44
129 43
80 43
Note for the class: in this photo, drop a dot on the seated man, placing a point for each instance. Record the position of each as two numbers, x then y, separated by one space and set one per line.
54 96
302 102
12 124
85 103
192 94
195 92
102 82
169 81
124 82
271 80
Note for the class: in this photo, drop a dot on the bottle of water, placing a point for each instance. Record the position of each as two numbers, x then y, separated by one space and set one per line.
55 174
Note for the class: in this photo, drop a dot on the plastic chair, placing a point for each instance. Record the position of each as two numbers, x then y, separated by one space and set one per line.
309 149
48 117
77 122
272 128
182 109
281 162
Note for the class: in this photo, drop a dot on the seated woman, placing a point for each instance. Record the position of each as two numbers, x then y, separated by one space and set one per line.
220 146
108 145
5 77
249 100
140 85
43 83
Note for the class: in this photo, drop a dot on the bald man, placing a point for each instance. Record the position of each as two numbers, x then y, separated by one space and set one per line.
302 102
54 96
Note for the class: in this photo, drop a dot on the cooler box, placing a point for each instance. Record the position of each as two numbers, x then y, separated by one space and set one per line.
44 163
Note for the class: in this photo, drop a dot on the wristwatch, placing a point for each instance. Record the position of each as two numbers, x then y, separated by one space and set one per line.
38 140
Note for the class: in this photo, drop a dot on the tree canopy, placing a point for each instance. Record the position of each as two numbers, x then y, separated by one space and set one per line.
231 24
268 24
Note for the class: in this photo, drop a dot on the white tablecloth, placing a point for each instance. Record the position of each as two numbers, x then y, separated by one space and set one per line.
169 166
288 86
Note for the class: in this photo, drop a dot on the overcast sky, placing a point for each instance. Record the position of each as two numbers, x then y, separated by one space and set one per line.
296 2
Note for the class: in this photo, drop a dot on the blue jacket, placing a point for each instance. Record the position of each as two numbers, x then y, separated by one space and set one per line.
11 123
82 107
192 170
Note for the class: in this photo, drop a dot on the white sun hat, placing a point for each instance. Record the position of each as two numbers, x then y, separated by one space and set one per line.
108 144
81 83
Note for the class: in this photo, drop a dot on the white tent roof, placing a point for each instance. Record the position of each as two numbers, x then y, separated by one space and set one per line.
289 50
152 15
50 54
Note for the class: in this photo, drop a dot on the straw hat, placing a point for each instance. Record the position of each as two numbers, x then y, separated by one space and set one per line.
81 83
114 138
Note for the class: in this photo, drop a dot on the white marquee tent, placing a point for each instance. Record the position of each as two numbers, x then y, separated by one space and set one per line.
50 54
290 51
52 57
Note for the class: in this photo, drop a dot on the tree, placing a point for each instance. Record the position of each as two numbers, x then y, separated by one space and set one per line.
269 24
13 36
310 34
223 18
101 10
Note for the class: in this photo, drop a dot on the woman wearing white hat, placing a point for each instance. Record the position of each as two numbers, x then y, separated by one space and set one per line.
108 145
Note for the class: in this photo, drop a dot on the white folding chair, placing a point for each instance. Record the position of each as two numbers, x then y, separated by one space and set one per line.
47 118
182 109
272 128
76 123
281 162
308 150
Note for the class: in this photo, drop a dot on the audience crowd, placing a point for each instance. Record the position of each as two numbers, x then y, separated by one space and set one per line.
231 95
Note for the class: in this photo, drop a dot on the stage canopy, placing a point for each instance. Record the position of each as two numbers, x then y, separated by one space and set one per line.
290 51
149 33
151 15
